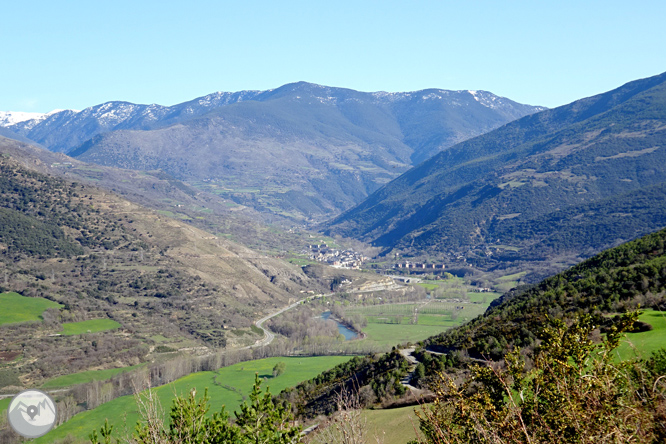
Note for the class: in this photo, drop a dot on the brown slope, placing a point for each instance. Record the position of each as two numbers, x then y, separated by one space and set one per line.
156 276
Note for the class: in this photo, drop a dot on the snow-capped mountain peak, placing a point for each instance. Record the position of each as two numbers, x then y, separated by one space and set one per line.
11 117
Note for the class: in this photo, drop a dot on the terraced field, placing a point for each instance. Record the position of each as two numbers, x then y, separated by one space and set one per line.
17 308
91 326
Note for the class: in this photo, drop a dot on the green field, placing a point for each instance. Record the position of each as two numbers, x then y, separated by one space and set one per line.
483 298
4 404
444 321
17 308
644 343
388 335
428 286
386 426
392 426
513 277
391 324
239 376
91 326
83 377
383 310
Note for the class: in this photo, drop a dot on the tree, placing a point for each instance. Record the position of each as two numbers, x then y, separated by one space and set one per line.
259 422
262 422
279 368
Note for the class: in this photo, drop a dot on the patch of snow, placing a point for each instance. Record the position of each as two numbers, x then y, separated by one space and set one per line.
431 96
8 118
391 96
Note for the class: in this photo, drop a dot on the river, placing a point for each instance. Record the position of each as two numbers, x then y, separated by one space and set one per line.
346 332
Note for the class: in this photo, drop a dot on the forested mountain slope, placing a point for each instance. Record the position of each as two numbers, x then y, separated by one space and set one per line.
616 280
164 193
575 179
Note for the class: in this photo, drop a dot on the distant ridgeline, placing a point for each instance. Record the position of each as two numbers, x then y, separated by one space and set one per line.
572 180
301 150
619 279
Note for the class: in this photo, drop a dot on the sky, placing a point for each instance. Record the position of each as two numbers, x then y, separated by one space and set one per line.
76 54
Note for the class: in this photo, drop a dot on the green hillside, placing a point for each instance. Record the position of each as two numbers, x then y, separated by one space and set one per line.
227 387
622 278
571 180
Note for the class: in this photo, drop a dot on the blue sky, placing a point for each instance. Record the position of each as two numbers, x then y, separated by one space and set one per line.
75 54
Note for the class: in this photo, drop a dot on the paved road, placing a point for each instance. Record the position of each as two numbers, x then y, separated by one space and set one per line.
2 396
413 362
269 335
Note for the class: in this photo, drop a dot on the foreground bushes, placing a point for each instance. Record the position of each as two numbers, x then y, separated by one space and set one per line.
573 391
258 422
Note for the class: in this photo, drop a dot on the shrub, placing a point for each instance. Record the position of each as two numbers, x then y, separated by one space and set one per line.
259 421
575 392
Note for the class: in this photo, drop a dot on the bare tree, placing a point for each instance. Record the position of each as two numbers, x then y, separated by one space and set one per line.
348 425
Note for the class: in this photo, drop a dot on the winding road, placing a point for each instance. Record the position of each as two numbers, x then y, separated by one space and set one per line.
269 335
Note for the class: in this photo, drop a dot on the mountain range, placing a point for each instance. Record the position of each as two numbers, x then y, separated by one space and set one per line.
574 179
301 150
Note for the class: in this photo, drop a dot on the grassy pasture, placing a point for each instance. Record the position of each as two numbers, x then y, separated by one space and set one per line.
392 426
83 377
483 298
444 321
91 326
644 343
506 286
428 286
17 308
388 335
240 377
391 324
375 313
383 309
387 426
513 277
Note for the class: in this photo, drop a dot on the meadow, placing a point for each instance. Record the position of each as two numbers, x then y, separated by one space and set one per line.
392 324
642 344
17 308
83 377
392 426
225 388
388 335
91 326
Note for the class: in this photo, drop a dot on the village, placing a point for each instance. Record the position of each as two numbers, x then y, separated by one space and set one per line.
348 259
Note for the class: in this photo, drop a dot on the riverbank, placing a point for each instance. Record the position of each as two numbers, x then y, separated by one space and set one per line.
343 326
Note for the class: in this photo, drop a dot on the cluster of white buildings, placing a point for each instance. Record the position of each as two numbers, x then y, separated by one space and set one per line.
413 265
336 258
